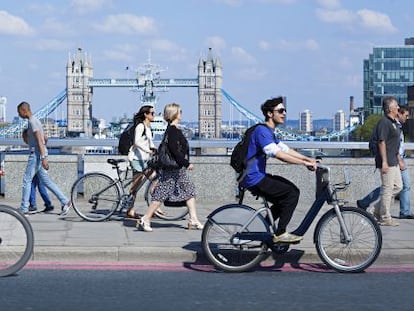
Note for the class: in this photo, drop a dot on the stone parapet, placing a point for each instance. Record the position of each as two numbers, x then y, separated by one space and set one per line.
212 175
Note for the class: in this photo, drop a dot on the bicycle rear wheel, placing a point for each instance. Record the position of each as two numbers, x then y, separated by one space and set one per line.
353 256
167 210
224 250
16 240
95 196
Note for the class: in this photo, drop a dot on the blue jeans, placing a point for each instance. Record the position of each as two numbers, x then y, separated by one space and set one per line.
34 166
405 202
370 198
42 190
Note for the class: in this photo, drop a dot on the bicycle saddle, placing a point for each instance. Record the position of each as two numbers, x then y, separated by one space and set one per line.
115 161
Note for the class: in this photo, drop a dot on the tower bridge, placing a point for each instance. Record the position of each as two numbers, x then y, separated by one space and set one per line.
79 92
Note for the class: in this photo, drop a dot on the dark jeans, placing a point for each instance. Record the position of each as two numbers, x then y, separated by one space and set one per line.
284 196
42 190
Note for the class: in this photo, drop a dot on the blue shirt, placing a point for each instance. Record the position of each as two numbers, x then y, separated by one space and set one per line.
256 167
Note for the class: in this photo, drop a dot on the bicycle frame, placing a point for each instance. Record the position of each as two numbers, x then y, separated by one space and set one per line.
325 192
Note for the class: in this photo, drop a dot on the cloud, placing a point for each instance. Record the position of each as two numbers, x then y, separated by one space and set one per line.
173 51
340 16
127 24
241 56
13 25
264 45
364 19
376 21
86 6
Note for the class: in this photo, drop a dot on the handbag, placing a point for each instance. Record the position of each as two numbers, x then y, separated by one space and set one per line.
165 159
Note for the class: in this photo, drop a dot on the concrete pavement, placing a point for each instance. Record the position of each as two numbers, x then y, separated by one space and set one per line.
73 239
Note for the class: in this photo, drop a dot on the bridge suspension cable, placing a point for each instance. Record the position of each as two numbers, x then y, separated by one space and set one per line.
15 129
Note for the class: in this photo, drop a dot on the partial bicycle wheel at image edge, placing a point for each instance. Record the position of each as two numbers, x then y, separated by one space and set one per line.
16 241
355 255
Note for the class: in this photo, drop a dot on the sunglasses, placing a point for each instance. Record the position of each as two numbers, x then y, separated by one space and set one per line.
151 112
280 110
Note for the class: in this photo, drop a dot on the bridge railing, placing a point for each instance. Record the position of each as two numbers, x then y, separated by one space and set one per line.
212 174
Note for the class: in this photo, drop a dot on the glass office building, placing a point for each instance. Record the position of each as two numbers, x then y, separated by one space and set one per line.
388 71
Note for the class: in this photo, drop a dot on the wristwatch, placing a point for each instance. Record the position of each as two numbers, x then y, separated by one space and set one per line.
43 157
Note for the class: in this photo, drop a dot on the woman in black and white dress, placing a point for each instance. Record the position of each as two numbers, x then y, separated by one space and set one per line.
174 185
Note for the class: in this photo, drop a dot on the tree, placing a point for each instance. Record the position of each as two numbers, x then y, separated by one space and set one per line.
363 132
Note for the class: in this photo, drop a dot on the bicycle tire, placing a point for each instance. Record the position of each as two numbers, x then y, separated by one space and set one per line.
167 210
353 256
95 196
222 250
16 240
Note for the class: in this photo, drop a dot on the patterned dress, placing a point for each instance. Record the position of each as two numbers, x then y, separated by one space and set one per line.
175 185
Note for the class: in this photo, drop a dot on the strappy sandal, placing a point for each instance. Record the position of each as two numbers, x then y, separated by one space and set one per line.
134 216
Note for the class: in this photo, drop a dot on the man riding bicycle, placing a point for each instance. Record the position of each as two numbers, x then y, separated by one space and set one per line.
282 193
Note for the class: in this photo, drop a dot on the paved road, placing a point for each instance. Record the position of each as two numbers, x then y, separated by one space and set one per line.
72 239
198 290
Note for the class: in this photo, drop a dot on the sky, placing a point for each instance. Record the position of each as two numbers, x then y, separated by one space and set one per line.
310 51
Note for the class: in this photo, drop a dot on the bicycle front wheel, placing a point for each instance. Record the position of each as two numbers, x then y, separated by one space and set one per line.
228 252
348 256
16 240
167 210
95 196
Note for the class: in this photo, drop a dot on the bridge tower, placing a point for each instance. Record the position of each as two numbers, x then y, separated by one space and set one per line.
79 71
210 79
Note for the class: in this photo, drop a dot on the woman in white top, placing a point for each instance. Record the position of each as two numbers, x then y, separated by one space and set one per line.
143 146
139 154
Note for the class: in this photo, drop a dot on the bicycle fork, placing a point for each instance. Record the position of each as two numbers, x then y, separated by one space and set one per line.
344 234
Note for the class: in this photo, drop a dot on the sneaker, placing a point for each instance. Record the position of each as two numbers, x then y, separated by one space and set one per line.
24 212
409 216
389 222
286 238
65 208
32 209
48 209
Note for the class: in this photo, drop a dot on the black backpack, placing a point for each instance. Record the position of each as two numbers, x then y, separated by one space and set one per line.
238 159
126 140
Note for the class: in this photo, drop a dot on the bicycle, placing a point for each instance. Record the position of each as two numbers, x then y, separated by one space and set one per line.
97 196
237 237
16 240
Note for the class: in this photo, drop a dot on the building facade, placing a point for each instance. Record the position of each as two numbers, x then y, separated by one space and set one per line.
3 103
210 81
388 71
339 121
79 95
305 121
